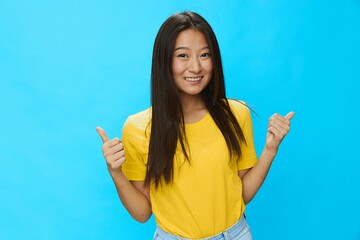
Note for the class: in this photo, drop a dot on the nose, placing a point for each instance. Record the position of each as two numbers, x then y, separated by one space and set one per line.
194 65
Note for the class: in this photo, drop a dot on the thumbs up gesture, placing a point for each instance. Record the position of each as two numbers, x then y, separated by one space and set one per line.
278 127
113 151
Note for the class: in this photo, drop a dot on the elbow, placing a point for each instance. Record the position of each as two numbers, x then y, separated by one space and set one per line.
143 221
247 199
143 218
247 196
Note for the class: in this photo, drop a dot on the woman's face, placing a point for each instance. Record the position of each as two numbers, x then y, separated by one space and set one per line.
191 64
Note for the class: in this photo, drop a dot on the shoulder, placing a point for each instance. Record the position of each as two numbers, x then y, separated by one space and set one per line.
240 110
137 123
238 105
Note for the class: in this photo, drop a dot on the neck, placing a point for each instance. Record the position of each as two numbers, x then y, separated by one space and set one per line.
193 108
191 103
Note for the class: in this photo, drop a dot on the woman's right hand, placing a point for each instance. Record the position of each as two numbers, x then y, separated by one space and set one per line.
113 151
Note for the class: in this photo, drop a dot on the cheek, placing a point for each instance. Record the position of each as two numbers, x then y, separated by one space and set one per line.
176 67
208 66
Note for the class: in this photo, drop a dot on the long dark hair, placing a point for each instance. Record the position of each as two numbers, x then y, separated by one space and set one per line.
167 122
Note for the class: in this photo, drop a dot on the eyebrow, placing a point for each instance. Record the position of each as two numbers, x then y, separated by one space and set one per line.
186 48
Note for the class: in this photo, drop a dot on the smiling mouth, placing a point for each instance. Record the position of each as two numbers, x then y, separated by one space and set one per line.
193 79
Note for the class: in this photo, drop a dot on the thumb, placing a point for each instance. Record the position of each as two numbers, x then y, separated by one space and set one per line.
290 115
102 134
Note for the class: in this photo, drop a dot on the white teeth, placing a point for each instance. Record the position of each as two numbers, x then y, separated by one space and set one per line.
193 79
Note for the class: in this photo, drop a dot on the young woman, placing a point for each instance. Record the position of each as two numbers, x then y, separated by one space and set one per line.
190 157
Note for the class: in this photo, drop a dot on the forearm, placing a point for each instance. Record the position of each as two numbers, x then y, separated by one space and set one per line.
133 200
278 128
253 179
133 196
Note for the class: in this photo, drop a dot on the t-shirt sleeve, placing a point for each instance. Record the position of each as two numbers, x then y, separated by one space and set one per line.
135 146
248 152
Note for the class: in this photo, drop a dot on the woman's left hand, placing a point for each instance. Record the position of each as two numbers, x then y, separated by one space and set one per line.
278 127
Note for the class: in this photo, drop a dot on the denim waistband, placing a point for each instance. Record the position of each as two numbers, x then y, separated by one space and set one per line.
234 232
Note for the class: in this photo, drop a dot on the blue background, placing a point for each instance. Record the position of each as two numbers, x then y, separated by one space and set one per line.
69 66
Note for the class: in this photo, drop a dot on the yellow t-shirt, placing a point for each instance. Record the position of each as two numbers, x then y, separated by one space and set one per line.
205 197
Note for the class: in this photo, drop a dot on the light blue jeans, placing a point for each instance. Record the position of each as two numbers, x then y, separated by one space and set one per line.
239 231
